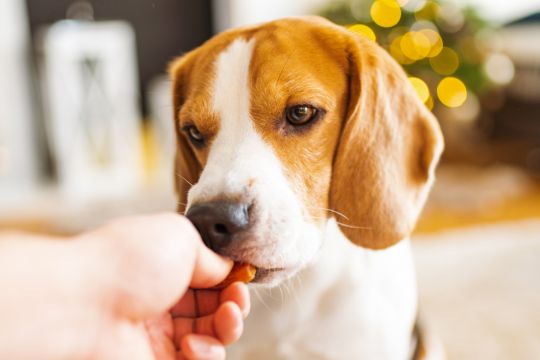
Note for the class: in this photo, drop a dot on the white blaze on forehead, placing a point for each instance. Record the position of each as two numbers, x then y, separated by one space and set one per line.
234 150
231 85
238 155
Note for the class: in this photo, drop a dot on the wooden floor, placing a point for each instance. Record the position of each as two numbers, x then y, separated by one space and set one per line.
524 206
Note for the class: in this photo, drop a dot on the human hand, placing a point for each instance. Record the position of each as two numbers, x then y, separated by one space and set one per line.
107 293
200 324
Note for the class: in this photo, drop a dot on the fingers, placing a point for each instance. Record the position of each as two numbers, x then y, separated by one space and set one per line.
210 314
210 269
197 303
200 347
147 262
226 325
239 294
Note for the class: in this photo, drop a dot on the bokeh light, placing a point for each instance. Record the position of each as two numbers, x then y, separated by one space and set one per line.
446 62
450 17
402 3
435 41
385 13
427 11
421 88
364 30
451 92
499 68
395 51
413 5
415 45
423 24
430 103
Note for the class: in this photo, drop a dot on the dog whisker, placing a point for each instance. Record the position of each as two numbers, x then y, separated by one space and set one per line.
353 226
330 210
294 291
291 292
286 289
261 299
343 224
183 178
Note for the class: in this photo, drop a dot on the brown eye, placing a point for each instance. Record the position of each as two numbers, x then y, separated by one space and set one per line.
301 114
194 135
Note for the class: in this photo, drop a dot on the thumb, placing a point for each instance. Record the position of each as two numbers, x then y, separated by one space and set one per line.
150 262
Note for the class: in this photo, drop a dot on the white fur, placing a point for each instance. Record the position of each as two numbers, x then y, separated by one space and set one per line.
350 303
344 302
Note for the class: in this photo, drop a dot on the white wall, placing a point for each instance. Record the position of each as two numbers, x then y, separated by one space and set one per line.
18 162
232 13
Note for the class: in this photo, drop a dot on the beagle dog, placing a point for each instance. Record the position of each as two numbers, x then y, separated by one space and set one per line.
304 150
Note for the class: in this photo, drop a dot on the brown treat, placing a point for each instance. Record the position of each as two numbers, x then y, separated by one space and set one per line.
240 272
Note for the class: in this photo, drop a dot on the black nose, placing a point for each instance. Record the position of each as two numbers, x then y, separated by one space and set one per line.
218 222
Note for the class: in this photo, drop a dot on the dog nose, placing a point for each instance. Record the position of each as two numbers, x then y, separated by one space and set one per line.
218 222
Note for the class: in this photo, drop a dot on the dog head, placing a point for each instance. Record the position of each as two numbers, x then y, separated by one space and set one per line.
287 124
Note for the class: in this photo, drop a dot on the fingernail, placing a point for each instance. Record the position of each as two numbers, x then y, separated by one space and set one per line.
202 347
238 318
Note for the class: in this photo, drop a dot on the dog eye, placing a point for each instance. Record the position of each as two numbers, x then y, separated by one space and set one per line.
194 135
301 114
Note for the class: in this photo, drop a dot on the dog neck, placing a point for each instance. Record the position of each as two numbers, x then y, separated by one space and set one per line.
349 303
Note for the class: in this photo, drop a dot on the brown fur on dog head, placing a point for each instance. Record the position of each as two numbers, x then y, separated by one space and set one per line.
370 161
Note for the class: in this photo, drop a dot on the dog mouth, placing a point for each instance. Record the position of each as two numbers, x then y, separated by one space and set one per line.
265 275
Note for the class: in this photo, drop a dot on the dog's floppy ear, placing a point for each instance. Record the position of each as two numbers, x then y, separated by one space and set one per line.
386 157
187 168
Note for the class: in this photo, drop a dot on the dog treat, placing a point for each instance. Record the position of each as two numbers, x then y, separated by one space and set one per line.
240 272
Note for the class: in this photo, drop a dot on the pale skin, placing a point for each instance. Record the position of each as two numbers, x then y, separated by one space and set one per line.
122 291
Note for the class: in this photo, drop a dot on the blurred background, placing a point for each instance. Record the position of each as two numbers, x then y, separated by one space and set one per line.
86 133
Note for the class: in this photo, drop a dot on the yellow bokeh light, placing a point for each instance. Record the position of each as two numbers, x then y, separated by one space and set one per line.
427 12
415 45
435 41
421 88
364 30
430 103
446 62
452 92
395 51
385 13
